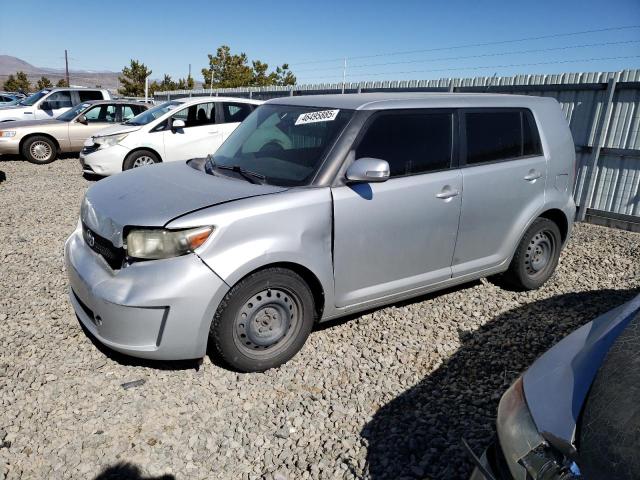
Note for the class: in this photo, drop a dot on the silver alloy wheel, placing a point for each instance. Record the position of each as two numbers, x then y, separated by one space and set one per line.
540 252
267 322
40 150
143 160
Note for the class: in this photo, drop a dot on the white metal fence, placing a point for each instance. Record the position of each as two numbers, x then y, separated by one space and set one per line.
602 108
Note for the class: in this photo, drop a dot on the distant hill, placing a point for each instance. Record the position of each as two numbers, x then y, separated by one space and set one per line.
10 65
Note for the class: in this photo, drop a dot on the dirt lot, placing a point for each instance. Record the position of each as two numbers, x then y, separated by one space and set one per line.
384 395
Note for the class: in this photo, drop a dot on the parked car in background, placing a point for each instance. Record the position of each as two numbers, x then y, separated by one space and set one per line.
175 130
317 207
575 412
40 141
50 103
6 98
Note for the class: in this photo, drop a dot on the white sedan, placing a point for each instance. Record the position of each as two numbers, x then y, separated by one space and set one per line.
175 130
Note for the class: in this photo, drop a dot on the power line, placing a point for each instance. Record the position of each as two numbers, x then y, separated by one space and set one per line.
485 67
468 45
513 52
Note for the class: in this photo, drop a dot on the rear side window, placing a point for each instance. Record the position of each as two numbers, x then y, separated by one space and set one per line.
89 95
495 135
410 142
235 112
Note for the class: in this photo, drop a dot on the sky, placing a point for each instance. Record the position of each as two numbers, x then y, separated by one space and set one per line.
315 37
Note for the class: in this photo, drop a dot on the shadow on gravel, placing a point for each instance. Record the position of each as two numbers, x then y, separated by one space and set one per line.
127 471
418 434
3 176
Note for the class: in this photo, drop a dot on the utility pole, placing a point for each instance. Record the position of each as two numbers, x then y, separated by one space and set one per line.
66 67
344 74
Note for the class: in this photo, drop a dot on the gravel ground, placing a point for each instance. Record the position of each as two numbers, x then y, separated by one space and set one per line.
384 395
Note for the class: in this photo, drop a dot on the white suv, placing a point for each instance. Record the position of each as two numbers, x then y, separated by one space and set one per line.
175 130
50 102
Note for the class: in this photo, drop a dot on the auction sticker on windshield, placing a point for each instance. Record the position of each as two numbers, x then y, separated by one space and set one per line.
321 116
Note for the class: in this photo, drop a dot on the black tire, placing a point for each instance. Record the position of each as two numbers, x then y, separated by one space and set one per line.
140 158
250 330
39 150
536 257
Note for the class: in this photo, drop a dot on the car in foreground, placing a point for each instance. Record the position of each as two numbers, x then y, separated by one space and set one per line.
575 413
50 103
40 141
175 130
317 207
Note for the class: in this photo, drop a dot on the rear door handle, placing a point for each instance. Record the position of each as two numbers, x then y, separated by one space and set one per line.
532 175
447 192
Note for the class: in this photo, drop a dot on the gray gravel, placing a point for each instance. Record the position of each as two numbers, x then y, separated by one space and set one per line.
384 395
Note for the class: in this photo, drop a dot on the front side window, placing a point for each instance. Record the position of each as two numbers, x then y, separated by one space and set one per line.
197 115
495 135
410 142
285 144
59 100
235 112
101 113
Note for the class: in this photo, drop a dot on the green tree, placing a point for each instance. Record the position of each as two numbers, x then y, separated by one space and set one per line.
44 82
62 83
19 83
133 79
228 70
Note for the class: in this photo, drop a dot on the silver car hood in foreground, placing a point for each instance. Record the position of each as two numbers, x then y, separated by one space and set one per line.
153 196
557 384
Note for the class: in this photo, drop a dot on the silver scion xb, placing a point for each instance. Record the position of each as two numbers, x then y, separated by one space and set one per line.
316 207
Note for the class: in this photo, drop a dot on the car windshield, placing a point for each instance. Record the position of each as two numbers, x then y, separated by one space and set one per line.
30 100
71 114
153 113
283 145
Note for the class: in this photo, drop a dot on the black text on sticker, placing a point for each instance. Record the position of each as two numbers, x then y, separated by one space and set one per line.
321 116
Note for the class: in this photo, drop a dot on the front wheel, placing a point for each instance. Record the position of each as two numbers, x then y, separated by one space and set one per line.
39 150
140 158
536 257
263 321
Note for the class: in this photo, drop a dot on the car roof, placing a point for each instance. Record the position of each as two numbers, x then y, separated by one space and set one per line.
116 102
385 101
193 100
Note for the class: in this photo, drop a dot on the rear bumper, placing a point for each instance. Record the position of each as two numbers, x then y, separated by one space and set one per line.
158 309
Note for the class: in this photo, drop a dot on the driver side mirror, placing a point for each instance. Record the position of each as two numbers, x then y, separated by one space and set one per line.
178 125
82 119
46 106
368 170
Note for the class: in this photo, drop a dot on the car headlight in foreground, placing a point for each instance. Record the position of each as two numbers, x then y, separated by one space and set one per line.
109 140
527 454
7 133
152 244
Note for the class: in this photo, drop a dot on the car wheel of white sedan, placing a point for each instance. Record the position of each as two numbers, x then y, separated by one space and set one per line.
140 158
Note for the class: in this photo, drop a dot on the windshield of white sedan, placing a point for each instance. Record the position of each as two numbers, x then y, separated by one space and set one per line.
153 113
71 114
280 145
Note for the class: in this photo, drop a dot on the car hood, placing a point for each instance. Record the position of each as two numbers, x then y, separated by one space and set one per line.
152 196
117 129
29 123
557 384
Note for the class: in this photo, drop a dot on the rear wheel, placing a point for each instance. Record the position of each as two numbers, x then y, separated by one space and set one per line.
140 158
536 257
39 150
263 321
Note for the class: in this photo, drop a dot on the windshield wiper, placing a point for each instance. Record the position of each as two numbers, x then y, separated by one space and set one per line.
252 177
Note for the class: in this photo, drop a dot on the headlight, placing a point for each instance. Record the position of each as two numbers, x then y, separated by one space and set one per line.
7 133
159 243
527 454
109 140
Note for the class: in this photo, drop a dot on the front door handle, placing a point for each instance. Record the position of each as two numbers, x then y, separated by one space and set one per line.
532 176
447 193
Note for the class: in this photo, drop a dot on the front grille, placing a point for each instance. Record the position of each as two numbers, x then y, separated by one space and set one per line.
113 256
90 148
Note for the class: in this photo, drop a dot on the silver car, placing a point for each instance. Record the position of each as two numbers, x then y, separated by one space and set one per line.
317 207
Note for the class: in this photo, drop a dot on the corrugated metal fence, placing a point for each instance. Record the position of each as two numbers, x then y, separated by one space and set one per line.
603 110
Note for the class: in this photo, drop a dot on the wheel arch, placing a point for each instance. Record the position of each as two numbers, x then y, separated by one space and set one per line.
558 217
38 134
